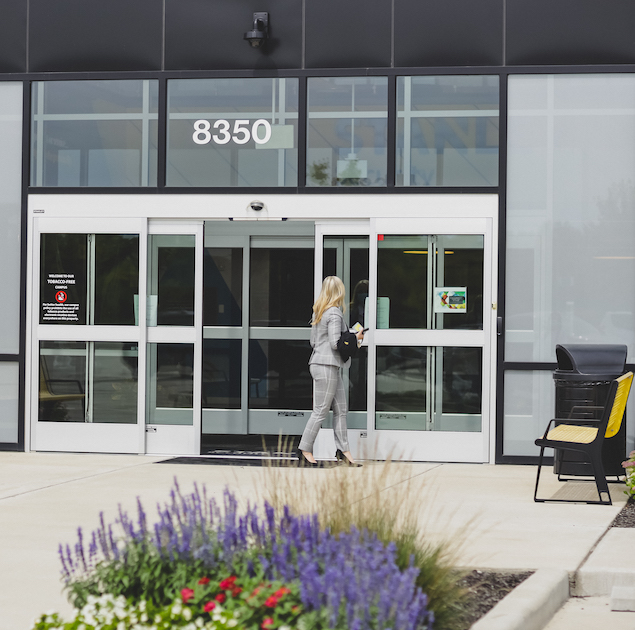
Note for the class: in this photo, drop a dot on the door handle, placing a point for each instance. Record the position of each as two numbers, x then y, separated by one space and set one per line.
499 326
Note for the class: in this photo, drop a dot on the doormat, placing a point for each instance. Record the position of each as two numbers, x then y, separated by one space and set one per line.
240 458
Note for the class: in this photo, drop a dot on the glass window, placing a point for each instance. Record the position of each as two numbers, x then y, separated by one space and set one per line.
279 375
171 280
429 389
9 387
10 212
88 382
346 134
221 373
94 133
447 131
281 286
570 222
232 132
222 286
67 296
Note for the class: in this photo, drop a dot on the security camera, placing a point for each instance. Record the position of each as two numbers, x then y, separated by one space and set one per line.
256 206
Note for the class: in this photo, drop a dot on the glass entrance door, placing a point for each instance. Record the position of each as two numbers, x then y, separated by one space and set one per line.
430 316
85 351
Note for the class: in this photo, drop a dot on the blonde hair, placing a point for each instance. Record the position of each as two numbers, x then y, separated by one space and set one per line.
331 294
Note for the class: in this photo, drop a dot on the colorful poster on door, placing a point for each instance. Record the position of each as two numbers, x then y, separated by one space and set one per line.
450 299
57 304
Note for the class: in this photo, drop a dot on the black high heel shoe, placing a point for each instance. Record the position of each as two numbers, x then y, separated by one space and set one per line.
303 462
343 459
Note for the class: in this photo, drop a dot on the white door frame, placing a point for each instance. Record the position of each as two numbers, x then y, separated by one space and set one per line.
422 445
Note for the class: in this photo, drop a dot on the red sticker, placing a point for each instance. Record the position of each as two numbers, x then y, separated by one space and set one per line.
61 297
380 237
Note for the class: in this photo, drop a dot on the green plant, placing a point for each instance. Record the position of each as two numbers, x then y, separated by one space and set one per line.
629 471
108 612
383 498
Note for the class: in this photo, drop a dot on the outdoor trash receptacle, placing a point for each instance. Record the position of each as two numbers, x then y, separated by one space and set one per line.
583 378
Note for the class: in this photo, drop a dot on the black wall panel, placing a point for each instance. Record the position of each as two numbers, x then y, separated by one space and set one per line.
13 36
448 33
208 35
570 31
95 35
348 33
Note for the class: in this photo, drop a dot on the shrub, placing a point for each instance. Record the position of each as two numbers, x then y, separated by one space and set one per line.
353 577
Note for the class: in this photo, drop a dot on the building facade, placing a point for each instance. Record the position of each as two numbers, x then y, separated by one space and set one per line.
179 175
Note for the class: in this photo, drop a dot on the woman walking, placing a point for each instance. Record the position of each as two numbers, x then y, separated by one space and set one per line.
324 365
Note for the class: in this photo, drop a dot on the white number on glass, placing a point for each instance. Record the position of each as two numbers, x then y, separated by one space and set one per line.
201 128
224 136
254 131
241 135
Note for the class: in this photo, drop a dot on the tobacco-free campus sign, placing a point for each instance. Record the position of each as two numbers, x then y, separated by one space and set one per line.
59 309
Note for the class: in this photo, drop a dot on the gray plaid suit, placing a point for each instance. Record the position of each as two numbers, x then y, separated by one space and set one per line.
328 388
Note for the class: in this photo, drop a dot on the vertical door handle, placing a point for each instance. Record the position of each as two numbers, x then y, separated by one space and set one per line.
499 326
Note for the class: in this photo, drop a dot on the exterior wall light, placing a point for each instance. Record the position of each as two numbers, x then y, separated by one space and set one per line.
260 30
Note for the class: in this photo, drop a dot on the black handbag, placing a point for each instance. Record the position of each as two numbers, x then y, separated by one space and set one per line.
347 345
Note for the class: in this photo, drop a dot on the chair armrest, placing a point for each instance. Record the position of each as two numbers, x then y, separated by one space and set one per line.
577 421
584 408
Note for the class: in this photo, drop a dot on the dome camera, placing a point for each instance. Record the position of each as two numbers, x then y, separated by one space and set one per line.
257 206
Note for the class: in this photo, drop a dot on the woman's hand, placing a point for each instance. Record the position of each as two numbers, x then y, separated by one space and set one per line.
360 335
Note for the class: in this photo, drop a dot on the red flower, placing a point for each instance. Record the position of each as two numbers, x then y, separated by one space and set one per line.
228 583
209 606
204 580
282 591
267 622
220 598
236 591
271 602
187 594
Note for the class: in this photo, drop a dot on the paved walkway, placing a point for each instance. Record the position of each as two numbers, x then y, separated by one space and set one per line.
45 497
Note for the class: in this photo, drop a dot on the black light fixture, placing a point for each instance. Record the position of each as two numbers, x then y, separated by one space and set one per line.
259 31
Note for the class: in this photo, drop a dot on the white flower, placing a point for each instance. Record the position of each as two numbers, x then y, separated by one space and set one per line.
187 614
176 609
232 622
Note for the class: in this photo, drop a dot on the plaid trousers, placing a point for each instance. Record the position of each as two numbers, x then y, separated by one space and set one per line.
328 390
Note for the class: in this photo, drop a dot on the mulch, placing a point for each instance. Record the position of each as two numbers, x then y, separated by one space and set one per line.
484 590
626 517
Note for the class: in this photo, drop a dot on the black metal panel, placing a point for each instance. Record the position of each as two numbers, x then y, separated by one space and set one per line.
348 34
13 36
205 35
95 35
448 32
570 32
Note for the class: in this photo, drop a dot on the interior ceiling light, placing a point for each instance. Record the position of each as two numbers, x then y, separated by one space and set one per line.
259 31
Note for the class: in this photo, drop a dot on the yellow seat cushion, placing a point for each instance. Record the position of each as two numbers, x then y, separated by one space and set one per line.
572 433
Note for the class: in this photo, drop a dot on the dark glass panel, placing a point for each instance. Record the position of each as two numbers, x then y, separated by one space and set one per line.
462 380
62 381
115 374
329 262
63 279
358 381
116 278
174 376
222 286
175 268
279 375
281 287
221 373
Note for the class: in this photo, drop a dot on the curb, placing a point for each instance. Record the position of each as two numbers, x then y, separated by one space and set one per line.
530 605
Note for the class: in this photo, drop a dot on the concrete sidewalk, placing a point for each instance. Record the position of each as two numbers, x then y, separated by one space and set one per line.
45 497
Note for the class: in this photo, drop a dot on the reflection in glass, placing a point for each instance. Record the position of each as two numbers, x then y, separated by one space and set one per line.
279 375
221 373
211 127
114 383
402 280
94 133
429 388
358 381
174 385
401 396
63 268
281 286
222 286
447 131
171 279
116 278
88 382
62 395
347 131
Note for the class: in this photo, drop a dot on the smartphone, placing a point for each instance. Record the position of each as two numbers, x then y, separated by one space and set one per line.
365 329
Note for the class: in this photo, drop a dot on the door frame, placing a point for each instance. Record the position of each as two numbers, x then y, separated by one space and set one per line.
422 445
